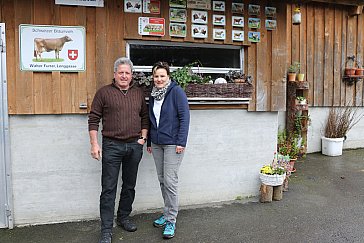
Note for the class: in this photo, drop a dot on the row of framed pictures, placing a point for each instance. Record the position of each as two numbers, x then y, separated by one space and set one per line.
155 27
201 17
153 7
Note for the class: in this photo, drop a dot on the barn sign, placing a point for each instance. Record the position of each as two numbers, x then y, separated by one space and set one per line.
46 48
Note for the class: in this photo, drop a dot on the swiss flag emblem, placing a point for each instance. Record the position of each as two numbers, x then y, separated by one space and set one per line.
72 54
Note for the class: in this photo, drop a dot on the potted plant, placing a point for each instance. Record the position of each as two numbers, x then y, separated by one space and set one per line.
183 76
144 81
301 100
291 145
235 76
359 69
292 71
301 123
350 68
274 175
338 123
300 76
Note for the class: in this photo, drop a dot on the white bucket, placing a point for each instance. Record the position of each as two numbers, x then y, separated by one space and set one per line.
332 146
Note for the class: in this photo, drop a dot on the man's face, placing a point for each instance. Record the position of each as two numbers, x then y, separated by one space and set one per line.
123 76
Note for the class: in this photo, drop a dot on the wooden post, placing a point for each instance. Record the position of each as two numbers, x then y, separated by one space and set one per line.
266 193
285 184
277 193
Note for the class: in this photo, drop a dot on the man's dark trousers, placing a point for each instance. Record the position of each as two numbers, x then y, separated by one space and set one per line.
116 153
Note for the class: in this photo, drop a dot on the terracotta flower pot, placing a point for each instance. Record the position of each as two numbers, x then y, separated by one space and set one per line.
291 163
350 71
291 76
359 71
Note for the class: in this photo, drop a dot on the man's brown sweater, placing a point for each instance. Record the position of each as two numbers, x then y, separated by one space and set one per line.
123 115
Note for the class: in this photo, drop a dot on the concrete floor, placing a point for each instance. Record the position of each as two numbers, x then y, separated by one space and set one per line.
325 203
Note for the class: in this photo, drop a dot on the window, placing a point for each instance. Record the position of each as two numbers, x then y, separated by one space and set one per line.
213 59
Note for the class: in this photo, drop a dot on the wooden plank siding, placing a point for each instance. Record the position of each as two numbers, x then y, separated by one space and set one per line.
321 43
331 35
279 59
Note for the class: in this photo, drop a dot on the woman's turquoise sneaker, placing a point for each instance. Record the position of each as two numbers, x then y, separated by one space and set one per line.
169 230
160 222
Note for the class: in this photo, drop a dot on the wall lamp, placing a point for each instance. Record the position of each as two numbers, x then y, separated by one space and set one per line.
296 17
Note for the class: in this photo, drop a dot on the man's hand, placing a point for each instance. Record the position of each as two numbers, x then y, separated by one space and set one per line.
96 151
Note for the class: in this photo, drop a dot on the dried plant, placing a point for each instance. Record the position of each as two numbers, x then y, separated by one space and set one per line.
340 120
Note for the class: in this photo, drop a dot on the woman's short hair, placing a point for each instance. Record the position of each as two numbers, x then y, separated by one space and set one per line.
159 65
123 61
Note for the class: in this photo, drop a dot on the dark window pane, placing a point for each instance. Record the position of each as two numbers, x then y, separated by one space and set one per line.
147 55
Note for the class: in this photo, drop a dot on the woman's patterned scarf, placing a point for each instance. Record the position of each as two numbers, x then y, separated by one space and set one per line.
158 94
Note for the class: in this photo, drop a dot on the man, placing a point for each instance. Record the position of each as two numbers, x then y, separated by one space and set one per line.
125 122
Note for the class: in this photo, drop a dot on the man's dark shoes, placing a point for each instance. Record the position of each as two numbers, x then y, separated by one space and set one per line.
105 237
126 224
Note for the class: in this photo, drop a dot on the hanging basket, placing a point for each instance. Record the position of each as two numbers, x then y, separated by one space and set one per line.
272 180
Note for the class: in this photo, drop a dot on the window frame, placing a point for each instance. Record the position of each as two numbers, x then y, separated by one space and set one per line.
204 70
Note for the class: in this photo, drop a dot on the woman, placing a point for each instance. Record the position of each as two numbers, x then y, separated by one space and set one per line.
170 118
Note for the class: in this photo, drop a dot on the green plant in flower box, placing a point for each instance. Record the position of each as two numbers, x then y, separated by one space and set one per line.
269 170
183 76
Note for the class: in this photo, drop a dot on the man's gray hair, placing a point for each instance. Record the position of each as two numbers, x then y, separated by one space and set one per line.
123 61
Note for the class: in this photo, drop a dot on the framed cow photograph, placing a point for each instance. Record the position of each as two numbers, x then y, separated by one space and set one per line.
270 24
238 35
253 36
199 17
237 8
133 6
219 34
254 9
238 21
270 12
254 23
152 6
218 5
178 15
177 30
218 19
199 31
177 3
199 4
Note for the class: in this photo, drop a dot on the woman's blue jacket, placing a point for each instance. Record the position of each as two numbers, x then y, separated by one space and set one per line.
174 119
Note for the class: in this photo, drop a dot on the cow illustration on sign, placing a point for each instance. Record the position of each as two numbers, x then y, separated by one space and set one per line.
52 44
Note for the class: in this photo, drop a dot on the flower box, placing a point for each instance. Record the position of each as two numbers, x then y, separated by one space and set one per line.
228 90
272 180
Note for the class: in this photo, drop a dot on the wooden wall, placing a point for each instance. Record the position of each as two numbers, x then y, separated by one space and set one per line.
327 35
321 43
59 92
107 30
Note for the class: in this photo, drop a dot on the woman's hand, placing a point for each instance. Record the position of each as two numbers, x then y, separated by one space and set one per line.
149 150
179 149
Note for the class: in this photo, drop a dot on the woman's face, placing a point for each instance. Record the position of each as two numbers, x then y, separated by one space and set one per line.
160 78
